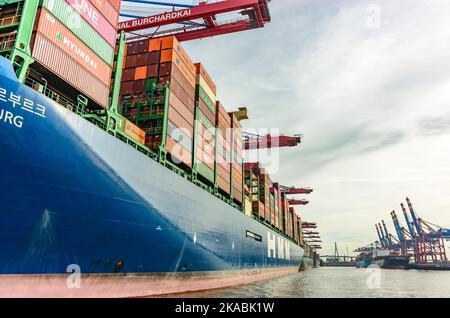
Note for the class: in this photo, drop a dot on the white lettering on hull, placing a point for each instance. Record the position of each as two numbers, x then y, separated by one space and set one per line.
277 246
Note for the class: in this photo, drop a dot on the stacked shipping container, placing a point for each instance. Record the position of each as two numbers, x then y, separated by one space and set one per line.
75 40
237 161
223 149
286 225
251 171
205 121
277 209
158 62
294 224
269 203
300 230
262 206
265 183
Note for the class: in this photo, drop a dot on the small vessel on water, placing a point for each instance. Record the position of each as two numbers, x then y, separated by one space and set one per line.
390 259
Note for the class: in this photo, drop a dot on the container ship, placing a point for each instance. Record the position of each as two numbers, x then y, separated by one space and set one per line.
121 173
390 259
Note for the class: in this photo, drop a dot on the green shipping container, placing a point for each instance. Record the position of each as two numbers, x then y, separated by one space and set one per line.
74 22
204 171
202 94
203 119
149 84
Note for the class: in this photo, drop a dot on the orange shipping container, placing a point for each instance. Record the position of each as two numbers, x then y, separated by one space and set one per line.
134 131
64 39
171 42
140 73
154 45
223 185
171 56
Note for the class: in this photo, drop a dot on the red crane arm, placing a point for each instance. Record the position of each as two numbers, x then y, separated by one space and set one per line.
309 225
272 142
294 190
188 35
298 202
202 11
311 236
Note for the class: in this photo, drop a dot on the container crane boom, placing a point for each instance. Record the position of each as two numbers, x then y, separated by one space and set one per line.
388 236
397 226
252 141
294 190
381 236
256 11
414 217
309 225
408 222
384 242
297 202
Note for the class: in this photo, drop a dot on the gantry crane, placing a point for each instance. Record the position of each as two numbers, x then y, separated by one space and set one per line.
422 239
428 240
204 20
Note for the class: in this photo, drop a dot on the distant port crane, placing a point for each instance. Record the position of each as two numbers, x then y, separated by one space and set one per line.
421 239
429 244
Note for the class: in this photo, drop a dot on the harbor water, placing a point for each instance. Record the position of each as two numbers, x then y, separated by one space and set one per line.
334 282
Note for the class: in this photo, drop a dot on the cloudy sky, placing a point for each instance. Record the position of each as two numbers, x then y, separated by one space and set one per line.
368 85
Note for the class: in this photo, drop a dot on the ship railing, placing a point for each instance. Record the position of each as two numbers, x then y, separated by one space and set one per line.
9 21
7 41
37 86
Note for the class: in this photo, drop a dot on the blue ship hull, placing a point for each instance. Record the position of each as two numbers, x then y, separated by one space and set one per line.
72 194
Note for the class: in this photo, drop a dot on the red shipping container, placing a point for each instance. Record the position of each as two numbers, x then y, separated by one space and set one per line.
128 74
138 86
95 19
53 58
164 69
152 71
126 88
108 11
130 61
59 35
